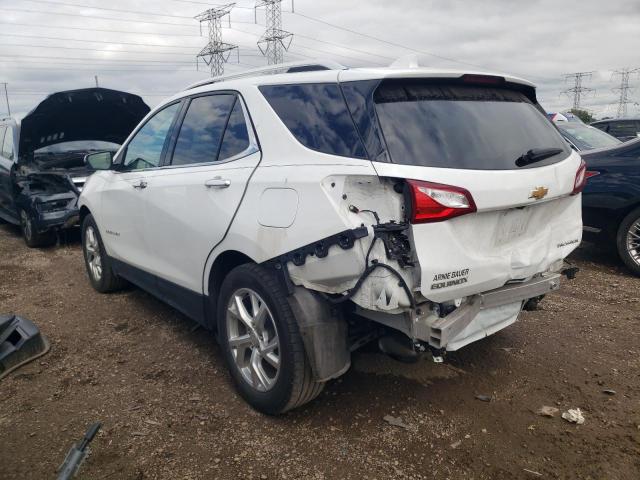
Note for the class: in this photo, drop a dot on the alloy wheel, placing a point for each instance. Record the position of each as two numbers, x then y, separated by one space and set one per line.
633 241
253 339
92 249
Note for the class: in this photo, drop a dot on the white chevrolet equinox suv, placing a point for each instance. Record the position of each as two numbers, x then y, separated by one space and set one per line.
301 211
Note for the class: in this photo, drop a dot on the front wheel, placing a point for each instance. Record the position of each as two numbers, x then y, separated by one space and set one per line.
261 342
31 236
98 264
628 241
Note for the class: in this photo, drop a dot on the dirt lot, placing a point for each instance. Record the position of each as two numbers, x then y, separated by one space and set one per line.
170 412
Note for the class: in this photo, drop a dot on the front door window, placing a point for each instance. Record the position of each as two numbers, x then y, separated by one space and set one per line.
146 148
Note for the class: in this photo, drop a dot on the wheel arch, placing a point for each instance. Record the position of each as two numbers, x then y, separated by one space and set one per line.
84 211
220 268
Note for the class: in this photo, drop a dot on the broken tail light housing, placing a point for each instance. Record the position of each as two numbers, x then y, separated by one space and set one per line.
434 202
581 178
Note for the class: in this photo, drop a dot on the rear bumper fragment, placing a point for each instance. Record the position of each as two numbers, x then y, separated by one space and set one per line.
440 332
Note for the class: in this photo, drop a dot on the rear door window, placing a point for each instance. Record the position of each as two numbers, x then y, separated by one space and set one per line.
202 129
463 127
316 114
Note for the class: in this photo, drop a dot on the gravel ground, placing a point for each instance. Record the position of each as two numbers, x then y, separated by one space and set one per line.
169 411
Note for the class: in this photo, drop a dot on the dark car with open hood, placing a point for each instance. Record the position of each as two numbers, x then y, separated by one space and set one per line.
42 167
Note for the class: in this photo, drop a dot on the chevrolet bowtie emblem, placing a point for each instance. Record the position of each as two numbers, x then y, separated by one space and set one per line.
539 193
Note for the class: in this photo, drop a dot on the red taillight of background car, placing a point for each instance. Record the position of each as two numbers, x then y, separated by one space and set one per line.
434 202
581 178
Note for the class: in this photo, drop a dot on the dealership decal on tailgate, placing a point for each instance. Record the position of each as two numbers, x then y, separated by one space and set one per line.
449 279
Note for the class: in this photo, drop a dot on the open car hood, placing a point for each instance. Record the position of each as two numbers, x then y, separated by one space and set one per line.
86 114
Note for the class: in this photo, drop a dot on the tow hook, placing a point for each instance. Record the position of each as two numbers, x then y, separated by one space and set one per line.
570 272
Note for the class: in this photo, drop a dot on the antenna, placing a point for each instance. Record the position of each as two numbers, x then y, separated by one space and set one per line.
625 89
216 53
275 41
577 90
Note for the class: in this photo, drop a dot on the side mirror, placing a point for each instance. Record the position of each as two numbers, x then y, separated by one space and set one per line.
99 160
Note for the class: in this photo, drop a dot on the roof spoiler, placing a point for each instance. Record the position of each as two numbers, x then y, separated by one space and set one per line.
290 67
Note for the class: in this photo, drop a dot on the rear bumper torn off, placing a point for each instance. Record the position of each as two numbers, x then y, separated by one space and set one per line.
482 314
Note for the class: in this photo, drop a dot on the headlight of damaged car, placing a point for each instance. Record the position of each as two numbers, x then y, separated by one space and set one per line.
53 205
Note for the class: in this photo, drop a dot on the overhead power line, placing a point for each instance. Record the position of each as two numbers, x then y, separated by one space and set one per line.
393 44
96 49
137 12
129 32
24 10
110 42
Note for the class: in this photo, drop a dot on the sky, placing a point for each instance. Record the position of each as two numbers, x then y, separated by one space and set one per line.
148 47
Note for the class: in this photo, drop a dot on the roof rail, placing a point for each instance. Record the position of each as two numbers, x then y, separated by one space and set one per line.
290 67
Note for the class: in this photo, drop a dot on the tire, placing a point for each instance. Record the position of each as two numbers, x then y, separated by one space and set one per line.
266 388
32 238
628 241
98 264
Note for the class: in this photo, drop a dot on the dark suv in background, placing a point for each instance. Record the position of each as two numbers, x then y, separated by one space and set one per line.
42 168
622 128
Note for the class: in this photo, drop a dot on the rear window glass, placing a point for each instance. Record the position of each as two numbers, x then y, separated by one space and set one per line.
317 116
624 128
585 137
465 127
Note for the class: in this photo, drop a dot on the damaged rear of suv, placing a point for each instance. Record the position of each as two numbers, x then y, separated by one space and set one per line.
302 215
42 168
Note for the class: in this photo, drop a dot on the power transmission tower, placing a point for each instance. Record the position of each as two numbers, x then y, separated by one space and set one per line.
275 41
216 53
577 90
625 89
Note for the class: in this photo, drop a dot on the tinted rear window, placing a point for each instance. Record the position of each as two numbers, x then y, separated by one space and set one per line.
466 127
317 116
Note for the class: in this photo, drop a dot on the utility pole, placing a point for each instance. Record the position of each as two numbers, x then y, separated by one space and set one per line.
275 41
6 96
577 90
216 53
625 89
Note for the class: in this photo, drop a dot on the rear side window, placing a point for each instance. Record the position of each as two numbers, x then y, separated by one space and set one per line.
316 114
202 129
462 126
624 128
236 136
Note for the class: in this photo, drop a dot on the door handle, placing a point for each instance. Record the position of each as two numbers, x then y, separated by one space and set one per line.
217 183
140 185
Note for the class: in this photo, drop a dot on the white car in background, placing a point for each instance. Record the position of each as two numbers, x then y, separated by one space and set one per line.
301 211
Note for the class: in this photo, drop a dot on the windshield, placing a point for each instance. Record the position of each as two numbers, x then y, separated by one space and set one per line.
585 137
68 155
79 145
463 126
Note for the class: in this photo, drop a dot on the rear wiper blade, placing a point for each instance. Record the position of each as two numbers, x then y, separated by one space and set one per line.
536 155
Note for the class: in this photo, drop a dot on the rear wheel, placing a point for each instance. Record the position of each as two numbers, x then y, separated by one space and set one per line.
628 241
98 264
31 236
261 342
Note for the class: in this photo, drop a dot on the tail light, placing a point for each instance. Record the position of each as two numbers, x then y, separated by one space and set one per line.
581 178
433 202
